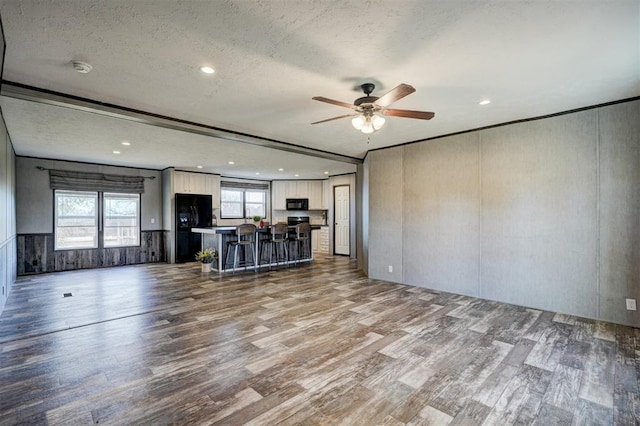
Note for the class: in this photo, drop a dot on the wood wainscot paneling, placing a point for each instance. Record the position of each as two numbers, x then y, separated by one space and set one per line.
36 254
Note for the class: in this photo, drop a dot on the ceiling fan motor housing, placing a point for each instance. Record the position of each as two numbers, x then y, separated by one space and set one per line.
365 100
367 88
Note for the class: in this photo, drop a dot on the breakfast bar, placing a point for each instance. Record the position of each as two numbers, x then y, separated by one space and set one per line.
217 237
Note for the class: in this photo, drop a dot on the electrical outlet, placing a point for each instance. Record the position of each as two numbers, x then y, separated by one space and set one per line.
631 304
390 269
153 220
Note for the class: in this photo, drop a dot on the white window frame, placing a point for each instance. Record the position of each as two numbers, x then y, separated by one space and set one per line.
226 215
58 229
121 229
253 203
99 220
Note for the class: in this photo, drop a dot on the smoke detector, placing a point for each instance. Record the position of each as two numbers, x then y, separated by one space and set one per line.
81 67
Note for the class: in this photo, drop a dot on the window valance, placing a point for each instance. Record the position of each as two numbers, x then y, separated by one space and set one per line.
244 185
84 181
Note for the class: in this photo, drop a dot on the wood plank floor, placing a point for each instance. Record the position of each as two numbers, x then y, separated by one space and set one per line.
316 344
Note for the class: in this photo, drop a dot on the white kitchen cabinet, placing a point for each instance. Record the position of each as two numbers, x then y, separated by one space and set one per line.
314 194
196 183
326 194
189 183
279 194
310 189
315 233
296 189
323 240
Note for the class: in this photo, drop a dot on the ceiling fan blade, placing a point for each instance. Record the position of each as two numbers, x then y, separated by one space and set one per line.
331 101
395 94
421 115
335 118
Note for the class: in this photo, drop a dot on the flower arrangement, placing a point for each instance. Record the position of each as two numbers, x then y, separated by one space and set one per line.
207 255
257 218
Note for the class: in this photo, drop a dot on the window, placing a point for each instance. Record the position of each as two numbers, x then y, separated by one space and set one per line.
254 203
76 220
80 214
121 220
232 203
241 203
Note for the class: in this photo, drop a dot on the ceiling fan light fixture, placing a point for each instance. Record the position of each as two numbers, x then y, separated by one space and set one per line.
367 127
377 121
358 122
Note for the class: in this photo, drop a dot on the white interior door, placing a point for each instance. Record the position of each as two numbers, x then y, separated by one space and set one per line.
341 222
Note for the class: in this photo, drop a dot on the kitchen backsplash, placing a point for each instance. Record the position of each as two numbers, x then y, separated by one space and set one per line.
315 216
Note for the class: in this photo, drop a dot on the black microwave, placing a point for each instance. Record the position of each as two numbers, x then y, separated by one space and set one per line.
297 204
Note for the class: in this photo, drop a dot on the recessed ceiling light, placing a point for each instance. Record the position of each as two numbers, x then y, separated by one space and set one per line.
485 102
81 67
326 173
116 152
126 143
207 70
257 173
199 167
281 169
232 162
296 175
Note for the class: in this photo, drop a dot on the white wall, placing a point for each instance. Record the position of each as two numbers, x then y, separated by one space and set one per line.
544 213
8 254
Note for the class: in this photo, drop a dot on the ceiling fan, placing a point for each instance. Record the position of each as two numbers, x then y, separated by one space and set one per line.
369 110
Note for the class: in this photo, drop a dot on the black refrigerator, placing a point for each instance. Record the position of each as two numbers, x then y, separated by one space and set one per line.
192 211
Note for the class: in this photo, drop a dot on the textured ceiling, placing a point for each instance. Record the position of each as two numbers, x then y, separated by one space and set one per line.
530 58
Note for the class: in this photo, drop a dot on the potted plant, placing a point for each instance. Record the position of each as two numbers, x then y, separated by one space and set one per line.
206 258
257 219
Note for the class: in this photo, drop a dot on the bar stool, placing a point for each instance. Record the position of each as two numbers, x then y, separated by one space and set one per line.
278 239
302 240
245 238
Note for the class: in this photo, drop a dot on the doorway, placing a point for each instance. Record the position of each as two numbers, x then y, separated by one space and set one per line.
341 231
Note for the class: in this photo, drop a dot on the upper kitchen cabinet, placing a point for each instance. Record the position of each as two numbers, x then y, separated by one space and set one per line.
326 195
310 189
279 194
314 189
194 183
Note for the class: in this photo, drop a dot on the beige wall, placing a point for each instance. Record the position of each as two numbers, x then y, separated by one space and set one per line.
619 210
386 213
544 213
362 215
8 256
35 198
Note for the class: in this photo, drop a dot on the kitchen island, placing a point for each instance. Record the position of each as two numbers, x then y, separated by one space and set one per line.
217 237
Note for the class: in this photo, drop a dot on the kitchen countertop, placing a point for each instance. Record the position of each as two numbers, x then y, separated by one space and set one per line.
224 229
